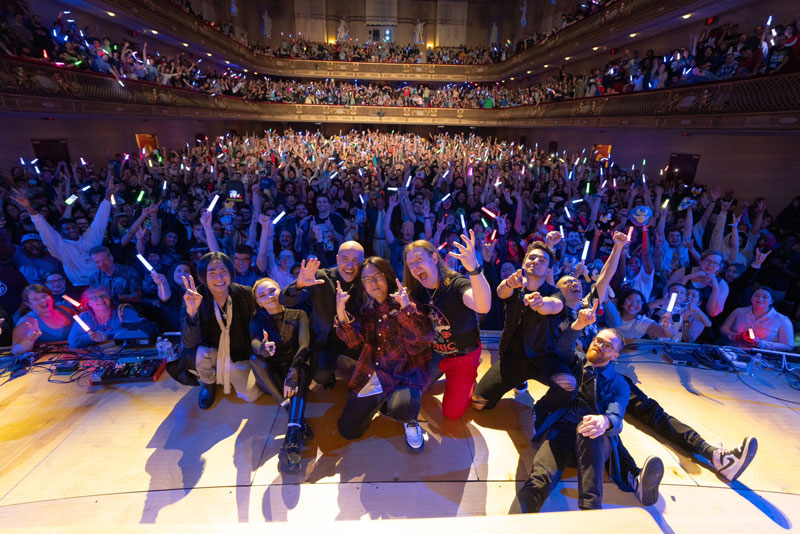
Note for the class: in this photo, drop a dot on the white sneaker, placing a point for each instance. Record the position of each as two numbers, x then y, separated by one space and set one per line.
730 463
414 437
646 483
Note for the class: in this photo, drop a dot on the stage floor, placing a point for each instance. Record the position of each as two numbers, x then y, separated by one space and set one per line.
144 457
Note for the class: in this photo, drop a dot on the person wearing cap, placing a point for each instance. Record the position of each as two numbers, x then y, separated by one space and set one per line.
67 245
32 259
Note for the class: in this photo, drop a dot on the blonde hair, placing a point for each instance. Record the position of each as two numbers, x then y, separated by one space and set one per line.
446 275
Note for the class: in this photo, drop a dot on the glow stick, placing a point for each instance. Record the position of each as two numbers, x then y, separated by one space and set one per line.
83 324
630 234
212 168
585 251
72 301
769 21
140 197
615 182
644 179
577 201
561 230
408 182
210 207
361 198
164 186
36 168
672 298
547 219
603 184
489 212
145 262
446 173
34 161
750 330
633 166
494 235
440 247
644 162
220 156
278 217
127 156
665 204
21 161
113 201
150 162
334 175
392 189
566 210
86 188
587 187
120 82
463 224
485 224
446 197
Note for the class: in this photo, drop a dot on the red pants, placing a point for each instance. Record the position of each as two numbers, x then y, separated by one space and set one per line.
460 373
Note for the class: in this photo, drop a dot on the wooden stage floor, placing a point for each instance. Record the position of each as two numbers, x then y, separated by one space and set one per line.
144 457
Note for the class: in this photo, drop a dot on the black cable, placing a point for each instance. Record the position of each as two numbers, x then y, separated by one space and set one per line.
739 376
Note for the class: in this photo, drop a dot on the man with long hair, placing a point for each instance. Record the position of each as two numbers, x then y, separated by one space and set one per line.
452 302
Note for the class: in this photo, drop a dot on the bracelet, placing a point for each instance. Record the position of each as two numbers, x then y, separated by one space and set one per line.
478 270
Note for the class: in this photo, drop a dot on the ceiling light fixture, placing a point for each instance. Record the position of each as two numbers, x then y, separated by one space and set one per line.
595 48
111 14
185 44
633 35
686 16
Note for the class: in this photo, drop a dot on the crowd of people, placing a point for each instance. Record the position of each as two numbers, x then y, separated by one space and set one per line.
723 53
277 254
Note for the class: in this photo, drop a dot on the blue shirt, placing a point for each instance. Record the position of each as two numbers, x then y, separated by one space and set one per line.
79 338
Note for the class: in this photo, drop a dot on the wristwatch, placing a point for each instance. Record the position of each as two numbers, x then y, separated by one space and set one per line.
478 270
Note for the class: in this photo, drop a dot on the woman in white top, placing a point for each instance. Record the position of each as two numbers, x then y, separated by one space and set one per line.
759 325
635 323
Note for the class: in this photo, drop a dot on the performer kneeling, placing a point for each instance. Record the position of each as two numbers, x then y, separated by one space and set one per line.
392 369
215 321
280 338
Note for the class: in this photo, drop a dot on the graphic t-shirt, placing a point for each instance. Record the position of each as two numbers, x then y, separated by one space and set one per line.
455 326
536 333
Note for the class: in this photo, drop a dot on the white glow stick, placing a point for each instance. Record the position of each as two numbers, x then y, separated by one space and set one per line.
164 186
672 298
86 188
585 251
446 197
72 301
145 262
750 330
489 212
566 209
361 198
408 182
578 201
83 324
603 184
392 189
334 175
630 234
463 224
561 230
83 161
210 207
278 217
665 204
113 201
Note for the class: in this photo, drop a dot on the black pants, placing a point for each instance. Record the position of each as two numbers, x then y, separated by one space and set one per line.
511 370
323 359
270 376
401 404
562 445
650 413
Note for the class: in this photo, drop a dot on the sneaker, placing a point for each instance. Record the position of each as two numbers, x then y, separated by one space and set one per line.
730 463
414 437
645 485
520 389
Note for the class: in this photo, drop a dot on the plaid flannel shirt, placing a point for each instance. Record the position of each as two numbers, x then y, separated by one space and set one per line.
396 345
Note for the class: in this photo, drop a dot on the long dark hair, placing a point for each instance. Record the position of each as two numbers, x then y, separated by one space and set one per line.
385 268
627 292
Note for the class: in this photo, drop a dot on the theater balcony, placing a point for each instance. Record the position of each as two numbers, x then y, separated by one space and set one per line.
599 32
31 88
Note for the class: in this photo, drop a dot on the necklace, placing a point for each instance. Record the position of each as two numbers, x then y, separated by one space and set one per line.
431 296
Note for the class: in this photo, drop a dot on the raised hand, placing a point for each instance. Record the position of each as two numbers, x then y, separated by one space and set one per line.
269 346
400 296
553 238
97 337
467 256
760 257
23 201
34 332
620 239
487 250
307 275
586 316
205 218
580 270
158 278
516 280
191 297
341 302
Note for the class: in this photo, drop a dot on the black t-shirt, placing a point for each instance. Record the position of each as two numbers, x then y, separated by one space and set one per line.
455 325
537 333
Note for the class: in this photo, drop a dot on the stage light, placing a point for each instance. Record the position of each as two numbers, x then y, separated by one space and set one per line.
686 16
111 14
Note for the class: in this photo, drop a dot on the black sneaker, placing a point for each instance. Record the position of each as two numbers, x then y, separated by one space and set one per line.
730 463
646 483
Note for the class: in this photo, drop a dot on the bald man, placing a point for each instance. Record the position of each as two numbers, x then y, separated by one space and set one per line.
316 287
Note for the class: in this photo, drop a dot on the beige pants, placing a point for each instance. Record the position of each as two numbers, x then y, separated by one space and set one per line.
242 378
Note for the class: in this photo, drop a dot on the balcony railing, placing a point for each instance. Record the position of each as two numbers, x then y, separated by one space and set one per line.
767 103
605 27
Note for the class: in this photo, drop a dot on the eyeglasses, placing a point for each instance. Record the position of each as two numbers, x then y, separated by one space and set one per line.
603 345
367 280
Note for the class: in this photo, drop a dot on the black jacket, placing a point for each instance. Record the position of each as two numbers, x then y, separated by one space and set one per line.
323 302
205 331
